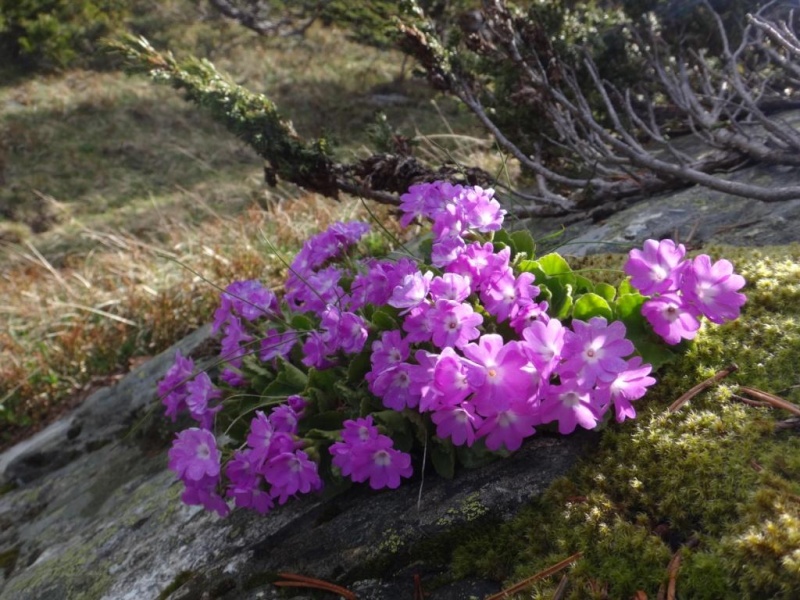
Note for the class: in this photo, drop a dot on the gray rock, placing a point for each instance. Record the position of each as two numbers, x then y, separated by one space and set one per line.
695 216
100 420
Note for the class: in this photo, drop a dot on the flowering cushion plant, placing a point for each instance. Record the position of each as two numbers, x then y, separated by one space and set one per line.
462 353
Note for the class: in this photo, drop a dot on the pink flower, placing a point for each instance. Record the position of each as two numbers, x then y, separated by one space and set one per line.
510 426
459 423
713 289
672 318
172 388
507 373
411 291
382 466
389 351
544 343
502 293
454 378
595 350
450 286
454 324
631 384
194 455
201 391
290 473
570 406
657 268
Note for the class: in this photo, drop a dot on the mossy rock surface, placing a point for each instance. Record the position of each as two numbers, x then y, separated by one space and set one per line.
716 481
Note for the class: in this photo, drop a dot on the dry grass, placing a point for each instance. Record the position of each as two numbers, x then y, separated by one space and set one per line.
114 193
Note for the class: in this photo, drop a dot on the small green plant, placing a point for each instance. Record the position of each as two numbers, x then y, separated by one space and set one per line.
47 34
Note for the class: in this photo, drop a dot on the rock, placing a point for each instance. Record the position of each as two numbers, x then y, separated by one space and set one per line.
695 217
98 421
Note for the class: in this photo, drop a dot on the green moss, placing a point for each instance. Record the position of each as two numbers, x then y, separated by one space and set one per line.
665 479
8 560
180 579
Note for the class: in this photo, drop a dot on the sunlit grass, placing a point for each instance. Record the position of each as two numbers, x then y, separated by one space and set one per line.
120 202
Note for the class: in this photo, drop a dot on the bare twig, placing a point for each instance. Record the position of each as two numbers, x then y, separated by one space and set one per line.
684 398
771 399
534 578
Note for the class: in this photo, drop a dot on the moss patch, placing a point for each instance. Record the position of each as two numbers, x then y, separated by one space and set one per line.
716 480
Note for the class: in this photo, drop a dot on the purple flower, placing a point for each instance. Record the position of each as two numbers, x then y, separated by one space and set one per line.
343 331
297 404
393 386
233 343
283 418
507 374
418 324
595 351
389 351
454 324
204 493
246 484
525 314
194 455
276 345
501 293
265 442
232 377
544 343
510 426
671 317
201 391
383 466
411 290
316 351
482 211
713 289
358 431
446 250
656 269
479 263
450 286
454 379
290 473
570 406
172 388
631 384
459 423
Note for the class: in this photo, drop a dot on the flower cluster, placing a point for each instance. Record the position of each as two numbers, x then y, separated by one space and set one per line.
464 343
683 290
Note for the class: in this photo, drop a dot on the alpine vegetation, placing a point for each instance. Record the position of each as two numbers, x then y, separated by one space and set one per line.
366 366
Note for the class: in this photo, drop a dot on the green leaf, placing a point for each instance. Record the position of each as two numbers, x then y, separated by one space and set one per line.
302 323
608 292
443 458
628 308
522 242
385 319
326 424
583 285
501 237
565 306
359 366
592 305
290 380
476 455
625 287
553 264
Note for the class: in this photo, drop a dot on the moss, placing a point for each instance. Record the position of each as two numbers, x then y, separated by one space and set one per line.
180 579
716 473
8 560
